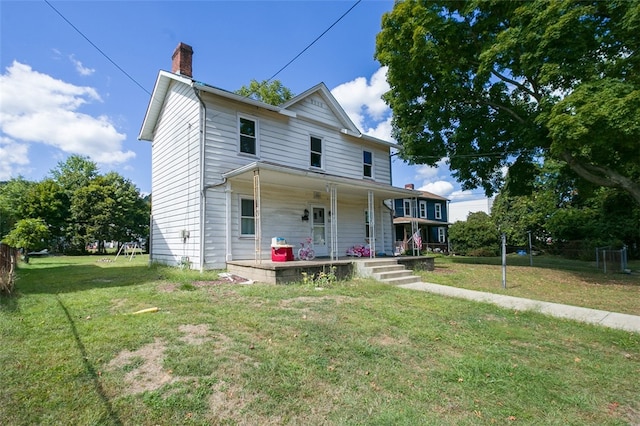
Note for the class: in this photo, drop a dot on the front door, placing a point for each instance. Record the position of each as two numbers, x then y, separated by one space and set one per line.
319 231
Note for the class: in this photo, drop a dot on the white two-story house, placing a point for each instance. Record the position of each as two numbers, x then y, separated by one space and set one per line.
230 173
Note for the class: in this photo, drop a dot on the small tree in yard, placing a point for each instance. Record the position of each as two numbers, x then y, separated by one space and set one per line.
28 234
478 236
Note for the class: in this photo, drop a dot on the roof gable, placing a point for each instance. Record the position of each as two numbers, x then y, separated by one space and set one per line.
321 90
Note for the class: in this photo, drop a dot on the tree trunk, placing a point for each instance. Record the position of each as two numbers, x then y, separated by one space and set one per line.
603 176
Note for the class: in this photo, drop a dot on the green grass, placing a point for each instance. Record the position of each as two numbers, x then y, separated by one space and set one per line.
551 279
359 352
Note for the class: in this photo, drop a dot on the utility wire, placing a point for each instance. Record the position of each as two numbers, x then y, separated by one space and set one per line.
314 41
97 48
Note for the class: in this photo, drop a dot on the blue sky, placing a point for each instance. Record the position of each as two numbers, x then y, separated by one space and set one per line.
59 95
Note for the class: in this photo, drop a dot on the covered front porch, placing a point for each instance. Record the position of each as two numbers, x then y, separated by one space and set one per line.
334 213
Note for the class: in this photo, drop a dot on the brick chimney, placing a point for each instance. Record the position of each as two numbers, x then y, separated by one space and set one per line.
181 60
409 186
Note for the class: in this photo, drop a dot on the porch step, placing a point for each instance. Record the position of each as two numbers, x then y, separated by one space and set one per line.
387 271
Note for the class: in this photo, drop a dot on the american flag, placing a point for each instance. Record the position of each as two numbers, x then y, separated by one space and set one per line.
417 239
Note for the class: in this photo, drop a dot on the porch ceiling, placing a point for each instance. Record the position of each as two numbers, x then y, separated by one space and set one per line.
290 177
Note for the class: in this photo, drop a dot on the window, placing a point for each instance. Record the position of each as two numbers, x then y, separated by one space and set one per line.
407 208
248 136
442 235
438 207
367 164
423 208
247 218
367 231
316 152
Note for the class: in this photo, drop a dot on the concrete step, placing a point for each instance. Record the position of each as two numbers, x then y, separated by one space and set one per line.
378 269
378 262
392 274
411 279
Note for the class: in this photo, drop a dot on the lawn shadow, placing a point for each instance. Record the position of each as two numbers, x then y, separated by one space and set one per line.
90 369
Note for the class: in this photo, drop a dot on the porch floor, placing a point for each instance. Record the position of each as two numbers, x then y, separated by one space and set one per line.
268 271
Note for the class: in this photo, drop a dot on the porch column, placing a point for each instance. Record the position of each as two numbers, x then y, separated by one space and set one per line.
372 224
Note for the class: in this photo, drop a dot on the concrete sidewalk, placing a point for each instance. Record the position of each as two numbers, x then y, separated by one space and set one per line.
593 316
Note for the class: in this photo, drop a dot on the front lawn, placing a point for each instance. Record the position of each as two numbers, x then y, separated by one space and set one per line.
552 279
359 352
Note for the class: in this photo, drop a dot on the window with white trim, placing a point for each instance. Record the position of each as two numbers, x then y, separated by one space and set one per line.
367 164
438 207
315 148
407 207
367 229
248 131
423 209
247 217
442 235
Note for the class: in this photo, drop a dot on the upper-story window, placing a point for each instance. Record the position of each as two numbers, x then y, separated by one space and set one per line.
315 145
367 164
248 130
423 209
438 207
407 207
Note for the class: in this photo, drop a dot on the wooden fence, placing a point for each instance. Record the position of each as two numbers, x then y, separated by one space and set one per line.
8 262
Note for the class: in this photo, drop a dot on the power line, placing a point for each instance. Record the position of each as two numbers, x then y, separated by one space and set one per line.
97 48
314 41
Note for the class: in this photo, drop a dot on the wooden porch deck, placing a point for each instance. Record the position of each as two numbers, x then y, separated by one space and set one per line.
268 271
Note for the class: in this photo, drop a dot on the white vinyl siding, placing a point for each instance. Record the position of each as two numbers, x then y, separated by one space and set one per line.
176 180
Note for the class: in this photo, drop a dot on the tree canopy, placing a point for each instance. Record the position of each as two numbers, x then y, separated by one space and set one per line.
77 205
272 93
491 85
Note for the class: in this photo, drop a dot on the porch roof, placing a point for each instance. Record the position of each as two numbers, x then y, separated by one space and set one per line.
421 221
293 177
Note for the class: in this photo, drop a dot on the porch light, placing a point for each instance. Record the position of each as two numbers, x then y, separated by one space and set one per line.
305 216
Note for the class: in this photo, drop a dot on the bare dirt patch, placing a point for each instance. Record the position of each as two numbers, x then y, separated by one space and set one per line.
224 278
195 334
146 375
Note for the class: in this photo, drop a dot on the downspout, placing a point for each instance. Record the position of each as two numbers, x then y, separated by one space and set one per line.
203 197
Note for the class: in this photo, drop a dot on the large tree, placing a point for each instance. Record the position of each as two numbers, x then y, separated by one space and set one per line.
491 85
75 172
272 93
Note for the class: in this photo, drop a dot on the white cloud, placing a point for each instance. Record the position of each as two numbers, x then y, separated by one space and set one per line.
362 101
82 70
426 172
441 187
12 157
38 108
